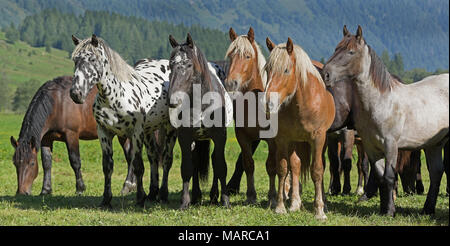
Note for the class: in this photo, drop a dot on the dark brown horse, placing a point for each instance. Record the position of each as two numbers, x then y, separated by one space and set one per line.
53 116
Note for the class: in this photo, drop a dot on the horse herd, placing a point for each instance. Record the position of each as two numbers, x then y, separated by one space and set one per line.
314 105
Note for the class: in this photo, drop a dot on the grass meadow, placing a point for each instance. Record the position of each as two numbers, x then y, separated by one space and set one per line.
64 207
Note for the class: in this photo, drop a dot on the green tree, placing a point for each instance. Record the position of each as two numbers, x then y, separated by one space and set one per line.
12 34
23 95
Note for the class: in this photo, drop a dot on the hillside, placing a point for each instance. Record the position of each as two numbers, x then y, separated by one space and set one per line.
20 62
417 29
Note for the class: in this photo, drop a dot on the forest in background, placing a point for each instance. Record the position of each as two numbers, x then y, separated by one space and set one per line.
417 29
132 37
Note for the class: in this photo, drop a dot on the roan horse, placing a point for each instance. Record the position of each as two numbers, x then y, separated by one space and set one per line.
131 103
191 72
391 115
305 112
52 116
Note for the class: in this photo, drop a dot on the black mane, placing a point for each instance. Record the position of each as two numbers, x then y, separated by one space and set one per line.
38 111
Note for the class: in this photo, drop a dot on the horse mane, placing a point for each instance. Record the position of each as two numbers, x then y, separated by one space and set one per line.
40 108
381 77
279 61
242 47
119 68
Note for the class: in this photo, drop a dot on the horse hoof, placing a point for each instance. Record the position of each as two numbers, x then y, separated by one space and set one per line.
320 216
184 206
363 198
45 192
250 201
280 210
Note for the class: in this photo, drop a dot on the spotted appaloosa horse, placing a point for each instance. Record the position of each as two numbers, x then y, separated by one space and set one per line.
305 112
190 72
52 116
131 103
390 115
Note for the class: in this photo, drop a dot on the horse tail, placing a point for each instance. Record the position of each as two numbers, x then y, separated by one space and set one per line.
202 151
403 160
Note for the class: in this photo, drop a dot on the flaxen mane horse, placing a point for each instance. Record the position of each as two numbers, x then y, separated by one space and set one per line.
392 116
295 91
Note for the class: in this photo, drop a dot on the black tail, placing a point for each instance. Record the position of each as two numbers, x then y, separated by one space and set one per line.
202 151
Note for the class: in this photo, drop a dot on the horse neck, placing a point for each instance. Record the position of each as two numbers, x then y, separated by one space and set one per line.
256 82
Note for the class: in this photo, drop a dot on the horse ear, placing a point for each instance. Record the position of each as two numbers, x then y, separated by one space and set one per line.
251 35
75 40
14 142
270 44
189 41
232 34
289 46
359 33
94 40
172 41
345 31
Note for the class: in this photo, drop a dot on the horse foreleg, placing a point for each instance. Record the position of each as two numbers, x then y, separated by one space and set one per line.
234 183
272 172
317 176
46 157
220 166
167 159
137 141
105 138
347 149
436 170
74 158
295 165
130 182
388 180
249 166
282 159
187 169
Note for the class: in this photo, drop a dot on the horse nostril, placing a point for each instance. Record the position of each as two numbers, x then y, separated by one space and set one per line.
327 76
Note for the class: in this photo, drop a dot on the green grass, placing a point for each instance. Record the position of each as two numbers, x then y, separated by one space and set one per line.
20 62
66 208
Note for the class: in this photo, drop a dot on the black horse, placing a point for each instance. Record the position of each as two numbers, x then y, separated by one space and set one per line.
192 78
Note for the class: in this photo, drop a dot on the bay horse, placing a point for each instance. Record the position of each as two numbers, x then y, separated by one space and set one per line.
191 72
390 115
52 116
131 103
305 112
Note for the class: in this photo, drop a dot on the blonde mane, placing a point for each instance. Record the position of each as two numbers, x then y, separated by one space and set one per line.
242 47
279 61
119 68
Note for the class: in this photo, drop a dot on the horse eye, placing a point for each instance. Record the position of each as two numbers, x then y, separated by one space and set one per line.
351 52
286 71
248 57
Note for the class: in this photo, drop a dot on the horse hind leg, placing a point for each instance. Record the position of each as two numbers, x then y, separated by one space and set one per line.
153 155
220 167
295 165
347 149
167 159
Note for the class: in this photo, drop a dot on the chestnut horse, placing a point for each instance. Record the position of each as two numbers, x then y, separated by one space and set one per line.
390 115
305 112
52 116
